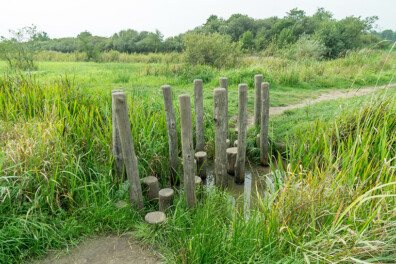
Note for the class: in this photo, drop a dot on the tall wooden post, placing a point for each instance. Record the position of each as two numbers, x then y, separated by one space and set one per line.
224 84
242 130
128 150
172 132
264 124
258 79
187 149
117 151
219 116
199 119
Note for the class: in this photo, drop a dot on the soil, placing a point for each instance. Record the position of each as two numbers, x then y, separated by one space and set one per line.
331 95
104 250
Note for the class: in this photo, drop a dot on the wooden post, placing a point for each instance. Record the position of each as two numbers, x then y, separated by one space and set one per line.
117 151
242 128
151 187
187 149
172 132
224 84
199 119
201 164
128 150
165 199
231 160
258 79
219 116
264 124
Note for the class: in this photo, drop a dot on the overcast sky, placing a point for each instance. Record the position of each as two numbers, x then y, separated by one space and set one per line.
171 17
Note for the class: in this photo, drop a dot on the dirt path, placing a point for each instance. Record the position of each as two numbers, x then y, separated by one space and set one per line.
104 250
331 95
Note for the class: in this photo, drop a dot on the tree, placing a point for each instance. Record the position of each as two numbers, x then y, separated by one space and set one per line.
247 40
88 45
19 49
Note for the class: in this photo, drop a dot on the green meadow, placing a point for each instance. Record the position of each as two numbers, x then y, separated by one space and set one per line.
333 202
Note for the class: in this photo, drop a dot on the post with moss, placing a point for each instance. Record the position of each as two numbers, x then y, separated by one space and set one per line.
224 84
219 116
264 124
258 79
242 131
199 119
128 150
172 132
187 149
117 152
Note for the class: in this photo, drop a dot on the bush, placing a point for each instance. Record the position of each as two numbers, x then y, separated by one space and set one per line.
306 48
211 49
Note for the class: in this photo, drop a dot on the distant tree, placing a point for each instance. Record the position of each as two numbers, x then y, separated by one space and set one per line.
88 45
247 40
211 49
19 49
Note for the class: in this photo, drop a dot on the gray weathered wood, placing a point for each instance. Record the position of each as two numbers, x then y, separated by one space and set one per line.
165 199
128 150
258 79
117 151
199 118
264 124
224 84
219 116
155 218
201 164
172 132
231 159
258 140
151 187
236 143
187 149
242 129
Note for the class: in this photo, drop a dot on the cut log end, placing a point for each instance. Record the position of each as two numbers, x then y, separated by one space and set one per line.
155 218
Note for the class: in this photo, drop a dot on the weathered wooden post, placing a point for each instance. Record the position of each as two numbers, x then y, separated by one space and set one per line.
128 150
201 164
264 124
258 79
187 149
242 128
172 132
165 199
151 187
219 116
224 84
117 151
231 160
199 119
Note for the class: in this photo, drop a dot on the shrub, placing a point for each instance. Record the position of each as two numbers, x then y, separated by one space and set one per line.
211 49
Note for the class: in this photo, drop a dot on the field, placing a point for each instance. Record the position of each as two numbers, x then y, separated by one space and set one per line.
334 201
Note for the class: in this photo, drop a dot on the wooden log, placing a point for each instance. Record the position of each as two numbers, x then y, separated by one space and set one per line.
201 164
165 199
128 150
224 84
228 143
198 182
155 218
182 168
258 79
231 159
219 116
117 151
199 118
236 143
172 132
187 149
150 187
242 129
258 140
264 124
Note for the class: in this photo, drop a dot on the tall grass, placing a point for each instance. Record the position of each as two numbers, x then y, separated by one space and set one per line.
334 202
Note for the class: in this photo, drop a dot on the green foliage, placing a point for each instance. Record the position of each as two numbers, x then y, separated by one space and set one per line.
19 49
89 46
247 40
211 49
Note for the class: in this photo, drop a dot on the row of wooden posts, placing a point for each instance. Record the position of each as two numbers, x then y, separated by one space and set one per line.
227 160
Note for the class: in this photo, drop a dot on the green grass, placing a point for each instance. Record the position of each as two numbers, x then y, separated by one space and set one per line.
337 202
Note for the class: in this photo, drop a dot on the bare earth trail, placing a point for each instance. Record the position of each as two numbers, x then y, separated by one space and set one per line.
104 250
331 95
